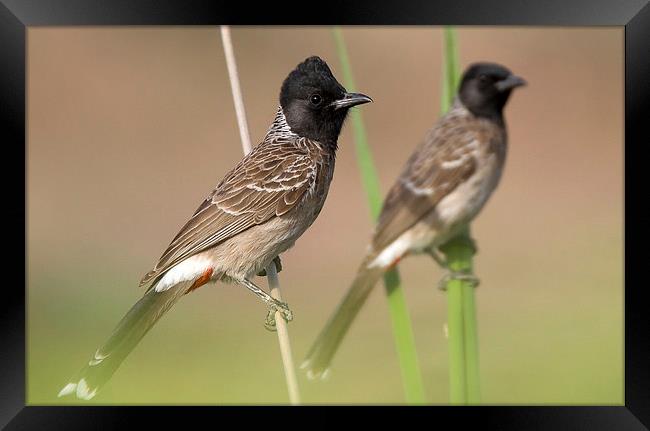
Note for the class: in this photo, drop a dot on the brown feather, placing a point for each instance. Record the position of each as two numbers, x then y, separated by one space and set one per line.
268 182
441 163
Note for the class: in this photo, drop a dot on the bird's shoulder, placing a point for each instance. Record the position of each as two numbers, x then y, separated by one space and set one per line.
276 166
451 147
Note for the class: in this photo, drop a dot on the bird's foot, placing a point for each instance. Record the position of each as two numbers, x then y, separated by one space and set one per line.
274 304
462 276
277 306
278 267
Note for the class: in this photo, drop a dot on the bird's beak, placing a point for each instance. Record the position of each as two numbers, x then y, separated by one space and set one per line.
351 99
509 83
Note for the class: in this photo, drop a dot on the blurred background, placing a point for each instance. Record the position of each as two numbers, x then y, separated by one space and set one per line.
129 128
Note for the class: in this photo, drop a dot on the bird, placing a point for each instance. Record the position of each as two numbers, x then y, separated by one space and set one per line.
255 213
443 186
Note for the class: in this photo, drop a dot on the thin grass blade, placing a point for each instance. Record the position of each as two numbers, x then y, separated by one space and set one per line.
464 375
401 322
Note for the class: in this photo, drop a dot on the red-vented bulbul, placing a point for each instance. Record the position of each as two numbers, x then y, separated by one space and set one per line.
255 213
443 186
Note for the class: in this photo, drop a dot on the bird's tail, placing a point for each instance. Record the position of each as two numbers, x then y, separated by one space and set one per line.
133 326
322 351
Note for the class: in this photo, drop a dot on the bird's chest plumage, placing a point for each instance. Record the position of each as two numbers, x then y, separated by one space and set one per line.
282 232
465 202
312 203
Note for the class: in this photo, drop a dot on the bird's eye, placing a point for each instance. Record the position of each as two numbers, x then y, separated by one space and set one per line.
315 99
483 78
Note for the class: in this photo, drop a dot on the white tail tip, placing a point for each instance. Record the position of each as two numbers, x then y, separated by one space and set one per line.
83 391
67 390
314 375
318 375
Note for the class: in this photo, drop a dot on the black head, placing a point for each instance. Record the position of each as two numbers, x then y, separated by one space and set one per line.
314 103
486 87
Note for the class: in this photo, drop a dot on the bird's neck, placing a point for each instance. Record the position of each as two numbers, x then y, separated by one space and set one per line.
458 108
280 128
281 131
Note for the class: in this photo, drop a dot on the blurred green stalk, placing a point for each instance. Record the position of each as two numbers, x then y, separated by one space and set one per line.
402 329
464 379
450 70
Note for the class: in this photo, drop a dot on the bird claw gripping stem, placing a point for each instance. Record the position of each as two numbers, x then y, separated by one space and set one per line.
278 267
283 308
463 241
462 276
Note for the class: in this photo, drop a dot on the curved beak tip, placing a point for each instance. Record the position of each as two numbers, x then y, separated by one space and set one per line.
511 82
351 99
369 99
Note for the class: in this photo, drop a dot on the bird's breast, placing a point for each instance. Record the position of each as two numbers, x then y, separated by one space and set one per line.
314 199
260 244
466 201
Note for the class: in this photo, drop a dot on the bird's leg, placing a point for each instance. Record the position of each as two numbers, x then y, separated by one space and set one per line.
278 267
463 275
439 260
274 304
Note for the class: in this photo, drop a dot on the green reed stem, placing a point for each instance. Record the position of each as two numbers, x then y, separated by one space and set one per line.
471 345
464 378
401 322
457 374
450 70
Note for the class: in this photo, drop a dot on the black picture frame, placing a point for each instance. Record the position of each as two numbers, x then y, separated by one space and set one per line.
633 15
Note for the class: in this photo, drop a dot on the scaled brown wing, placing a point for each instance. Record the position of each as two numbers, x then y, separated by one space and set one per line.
437 167
266 183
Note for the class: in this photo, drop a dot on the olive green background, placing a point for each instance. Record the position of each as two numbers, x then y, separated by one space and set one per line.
129 128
